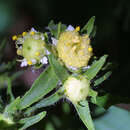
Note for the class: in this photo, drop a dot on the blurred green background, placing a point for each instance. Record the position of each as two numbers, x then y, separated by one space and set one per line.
112 37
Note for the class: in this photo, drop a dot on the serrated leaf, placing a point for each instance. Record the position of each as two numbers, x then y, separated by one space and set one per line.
103 78
93 95
31 120
95 68
59 70
45 83
45 102
84 113
89 26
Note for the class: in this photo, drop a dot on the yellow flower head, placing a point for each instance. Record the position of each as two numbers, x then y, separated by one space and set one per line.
74 50
31 46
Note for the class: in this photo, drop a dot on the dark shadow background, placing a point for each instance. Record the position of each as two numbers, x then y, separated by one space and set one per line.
113 29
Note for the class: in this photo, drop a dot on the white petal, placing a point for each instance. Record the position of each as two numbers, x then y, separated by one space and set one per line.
42 37
24 63
44 60
54 41
33 30
72 68
20 47
86 67
33 61
48 52
70 28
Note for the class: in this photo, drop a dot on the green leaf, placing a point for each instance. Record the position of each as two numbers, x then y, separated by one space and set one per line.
12 107
59 70
45 102
2 46
9 89
115 119
31 120
49 126
45 83
108 100
16 75
89 26
1 105
84 113
5 67
102 101
95 68
101 79
93 33
109 65
93 95
56 29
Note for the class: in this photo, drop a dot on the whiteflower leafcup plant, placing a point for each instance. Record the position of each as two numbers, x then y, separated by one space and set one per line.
66 52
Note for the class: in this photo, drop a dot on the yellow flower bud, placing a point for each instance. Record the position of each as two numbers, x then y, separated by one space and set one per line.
19 52
32 33
77 28
14 38
24 33
29 62
76 88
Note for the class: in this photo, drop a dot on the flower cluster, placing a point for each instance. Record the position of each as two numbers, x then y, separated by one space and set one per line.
73 49
31 45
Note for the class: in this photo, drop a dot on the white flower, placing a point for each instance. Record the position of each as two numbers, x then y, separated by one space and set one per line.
54 41
70 28
44 60
24 63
